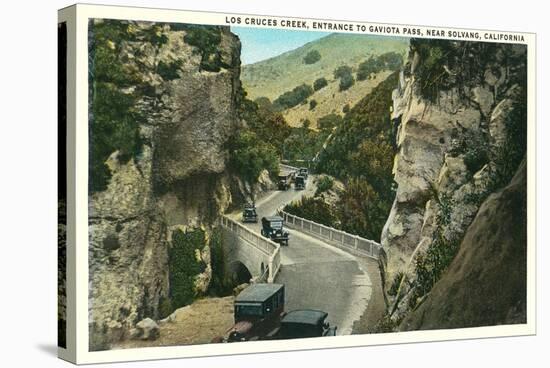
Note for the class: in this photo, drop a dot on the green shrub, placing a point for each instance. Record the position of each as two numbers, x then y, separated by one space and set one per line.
314 209
329 121
342 71
475 158
429 266
249 156
312 57
207 40
345 109
114 120
346 82
183 265
312 104
346 78
165 307
320 83
293 98
361 209
324 184
220 284
169 71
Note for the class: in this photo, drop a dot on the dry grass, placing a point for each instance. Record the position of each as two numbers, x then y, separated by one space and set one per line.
197 323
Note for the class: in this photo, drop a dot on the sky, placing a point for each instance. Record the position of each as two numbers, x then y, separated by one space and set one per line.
264 43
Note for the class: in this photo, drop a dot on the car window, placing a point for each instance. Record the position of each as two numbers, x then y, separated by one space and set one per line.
248 310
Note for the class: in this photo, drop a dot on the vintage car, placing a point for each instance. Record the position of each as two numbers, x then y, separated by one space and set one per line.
303 323
257 313
300 183
249 213
303 171
284 181
272 227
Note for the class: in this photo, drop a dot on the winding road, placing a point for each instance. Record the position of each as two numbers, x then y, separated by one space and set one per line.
317 275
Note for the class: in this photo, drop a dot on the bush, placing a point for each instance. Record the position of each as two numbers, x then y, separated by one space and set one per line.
312 57
361 209
114 121
220 285
169 71
183 265
329 121
324 184
293 98
320 83
342 71
206 39
314 209
345 109
345 76
249 156
346 82
312 104
166 307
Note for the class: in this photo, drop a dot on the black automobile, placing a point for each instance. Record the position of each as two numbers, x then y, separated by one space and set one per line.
300 183
272 228
249 213
303 171
302 323
284 181
257 313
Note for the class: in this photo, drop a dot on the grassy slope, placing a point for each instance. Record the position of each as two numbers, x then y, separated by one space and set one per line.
272 77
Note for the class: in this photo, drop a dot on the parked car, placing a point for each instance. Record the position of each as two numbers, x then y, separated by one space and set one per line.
249 213
272 227
302 323
299 183
257 313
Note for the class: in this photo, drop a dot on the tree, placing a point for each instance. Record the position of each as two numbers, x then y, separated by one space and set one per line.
312 104
319 83
346 78
329 121
249 156
312 57
293 98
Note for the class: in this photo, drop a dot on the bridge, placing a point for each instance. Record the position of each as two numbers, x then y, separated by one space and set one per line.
322 268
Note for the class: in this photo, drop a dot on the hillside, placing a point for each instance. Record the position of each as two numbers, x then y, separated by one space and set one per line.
273 77
331 100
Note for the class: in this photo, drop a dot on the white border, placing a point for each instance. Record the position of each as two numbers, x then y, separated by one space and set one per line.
83 13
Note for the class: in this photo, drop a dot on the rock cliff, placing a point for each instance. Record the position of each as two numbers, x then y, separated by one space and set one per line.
459 114
486 284
178 180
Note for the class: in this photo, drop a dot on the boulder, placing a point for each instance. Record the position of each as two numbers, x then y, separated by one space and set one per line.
147 329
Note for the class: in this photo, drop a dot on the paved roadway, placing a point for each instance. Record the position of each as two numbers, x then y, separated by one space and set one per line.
317 275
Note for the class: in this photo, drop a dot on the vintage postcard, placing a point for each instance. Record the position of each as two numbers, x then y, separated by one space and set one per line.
228 179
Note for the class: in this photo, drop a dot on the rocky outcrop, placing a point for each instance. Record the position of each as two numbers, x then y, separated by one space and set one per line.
486 284
450 148
179 180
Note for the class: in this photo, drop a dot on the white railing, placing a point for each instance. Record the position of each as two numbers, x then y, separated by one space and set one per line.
341 239
264 245
288 167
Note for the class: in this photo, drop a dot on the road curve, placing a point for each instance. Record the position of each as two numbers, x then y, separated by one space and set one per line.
317 275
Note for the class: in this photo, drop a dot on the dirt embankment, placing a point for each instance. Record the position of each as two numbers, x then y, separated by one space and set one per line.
197 323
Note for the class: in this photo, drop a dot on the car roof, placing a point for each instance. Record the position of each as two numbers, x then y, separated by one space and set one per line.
258 292
305 316
273 218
